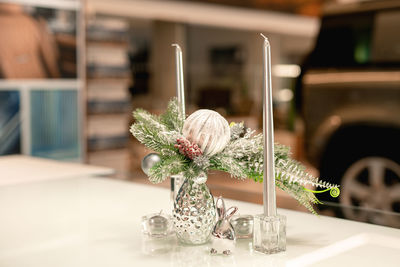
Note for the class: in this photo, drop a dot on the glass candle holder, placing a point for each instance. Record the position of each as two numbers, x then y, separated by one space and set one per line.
157 225
269 234
158 237
243 226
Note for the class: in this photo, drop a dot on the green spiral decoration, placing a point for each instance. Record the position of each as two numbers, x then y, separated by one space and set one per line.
333 191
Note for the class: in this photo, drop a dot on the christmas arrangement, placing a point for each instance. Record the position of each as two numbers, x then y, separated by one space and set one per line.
205 141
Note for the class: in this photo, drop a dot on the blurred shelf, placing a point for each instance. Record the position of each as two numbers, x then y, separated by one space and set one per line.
117 159
103 80
108 124
108 107
106 143
121 44
107 29
108 99
107 72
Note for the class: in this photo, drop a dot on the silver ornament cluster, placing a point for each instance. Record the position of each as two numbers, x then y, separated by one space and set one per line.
194 213
208 129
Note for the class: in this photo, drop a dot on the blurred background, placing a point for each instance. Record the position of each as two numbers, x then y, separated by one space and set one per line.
72 72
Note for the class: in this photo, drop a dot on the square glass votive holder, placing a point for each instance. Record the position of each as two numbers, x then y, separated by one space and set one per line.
269 234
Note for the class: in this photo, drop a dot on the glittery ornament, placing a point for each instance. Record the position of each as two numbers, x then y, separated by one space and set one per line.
208 129
149 161
237 130
202 162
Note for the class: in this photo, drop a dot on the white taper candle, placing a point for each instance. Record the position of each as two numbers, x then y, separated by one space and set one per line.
180 86
269 196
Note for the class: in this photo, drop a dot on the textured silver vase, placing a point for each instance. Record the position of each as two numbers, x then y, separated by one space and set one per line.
194 213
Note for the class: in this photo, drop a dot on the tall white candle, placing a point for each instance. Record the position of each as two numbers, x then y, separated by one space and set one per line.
180 87
269 196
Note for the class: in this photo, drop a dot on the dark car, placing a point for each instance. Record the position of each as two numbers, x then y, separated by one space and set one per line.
349 98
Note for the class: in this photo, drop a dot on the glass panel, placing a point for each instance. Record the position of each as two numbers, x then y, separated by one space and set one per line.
365 39
10 130
37 42
343 41
386 41
54 124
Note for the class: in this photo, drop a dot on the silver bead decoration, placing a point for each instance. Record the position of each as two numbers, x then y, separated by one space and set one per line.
149 161
194 213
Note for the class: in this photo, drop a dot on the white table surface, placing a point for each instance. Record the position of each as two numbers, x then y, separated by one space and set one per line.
96 222
17 169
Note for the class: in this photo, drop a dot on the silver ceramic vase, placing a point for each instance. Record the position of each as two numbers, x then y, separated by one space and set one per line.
194 213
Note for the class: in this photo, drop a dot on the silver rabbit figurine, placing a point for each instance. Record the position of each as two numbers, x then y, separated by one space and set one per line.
223 236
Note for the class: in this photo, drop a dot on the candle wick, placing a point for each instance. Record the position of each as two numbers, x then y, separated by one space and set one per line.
160 212
265 38
177 46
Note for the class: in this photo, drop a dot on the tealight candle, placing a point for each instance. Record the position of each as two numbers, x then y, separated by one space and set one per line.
243 226
157 225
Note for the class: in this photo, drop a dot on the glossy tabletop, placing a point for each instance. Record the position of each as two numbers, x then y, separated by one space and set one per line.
97 222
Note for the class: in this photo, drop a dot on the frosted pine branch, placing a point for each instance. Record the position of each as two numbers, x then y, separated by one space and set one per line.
304 198
237 130
173 118
228 164
166 167
203 162
292 172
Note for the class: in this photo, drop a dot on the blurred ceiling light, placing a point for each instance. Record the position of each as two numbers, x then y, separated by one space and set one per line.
286 70
285 95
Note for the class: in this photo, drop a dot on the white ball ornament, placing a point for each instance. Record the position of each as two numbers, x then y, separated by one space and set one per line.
208 129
